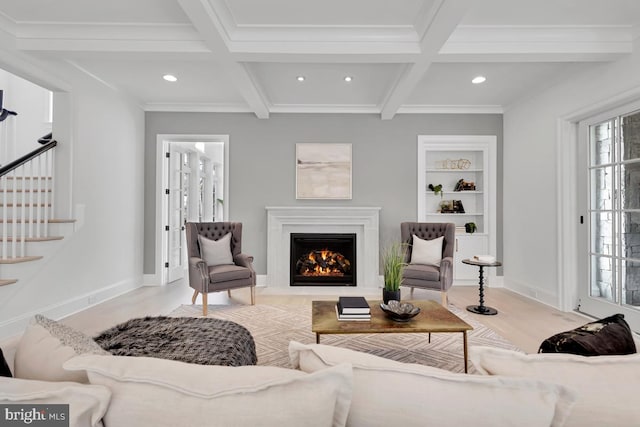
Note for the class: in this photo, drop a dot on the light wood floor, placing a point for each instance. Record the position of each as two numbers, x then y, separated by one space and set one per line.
521 320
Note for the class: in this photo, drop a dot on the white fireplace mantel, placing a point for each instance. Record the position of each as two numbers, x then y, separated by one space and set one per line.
284 220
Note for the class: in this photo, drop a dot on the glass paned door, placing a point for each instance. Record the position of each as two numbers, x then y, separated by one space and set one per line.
613 176
179 176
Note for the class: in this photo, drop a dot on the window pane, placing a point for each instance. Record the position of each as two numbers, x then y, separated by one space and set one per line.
601 142
602 233
602 278
630 235
631 283
630 136
602 188
630 186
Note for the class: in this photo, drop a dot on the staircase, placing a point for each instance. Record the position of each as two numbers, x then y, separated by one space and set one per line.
27 225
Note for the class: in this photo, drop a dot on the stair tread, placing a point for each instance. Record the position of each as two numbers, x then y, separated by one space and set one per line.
51 221
28 205
4 282
29 177
20 190
33 239
19 259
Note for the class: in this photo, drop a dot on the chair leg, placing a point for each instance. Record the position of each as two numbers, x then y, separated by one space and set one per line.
411 292
229 293
445 300
205 307
193 298
253 295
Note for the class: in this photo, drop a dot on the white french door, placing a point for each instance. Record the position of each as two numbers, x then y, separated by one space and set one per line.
178 210
609 159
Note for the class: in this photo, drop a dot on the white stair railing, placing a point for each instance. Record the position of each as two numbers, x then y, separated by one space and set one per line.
26 187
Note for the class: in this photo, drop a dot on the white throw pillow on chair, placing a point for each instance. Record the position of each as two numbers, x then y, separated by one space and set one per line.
216 252
427 252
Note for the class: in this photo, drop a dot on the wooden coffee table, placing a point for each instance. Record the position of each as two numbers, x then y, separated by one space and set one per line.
432 318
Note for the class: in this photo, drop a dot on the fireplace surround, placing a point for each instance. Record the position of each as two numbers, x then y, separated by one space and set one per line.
284 220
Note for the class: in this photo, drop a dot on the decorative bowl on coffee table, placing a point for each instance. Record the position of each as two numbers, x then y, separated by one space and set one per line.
400 311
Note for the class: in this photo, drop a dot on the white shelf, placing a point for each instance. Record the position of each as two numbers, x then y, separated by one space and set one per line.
454 214
429 192
453 170
464 233
480 204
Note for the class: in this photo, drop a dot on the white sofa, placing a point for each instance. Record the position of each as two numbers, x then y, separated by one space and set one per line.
326 386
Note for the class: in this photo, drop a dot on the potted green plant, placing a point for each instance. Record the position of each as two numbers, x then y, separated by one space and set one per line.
393 263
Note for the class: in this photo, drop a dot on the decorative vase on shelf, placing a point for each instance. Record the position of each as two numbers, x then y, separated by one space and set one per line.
390 295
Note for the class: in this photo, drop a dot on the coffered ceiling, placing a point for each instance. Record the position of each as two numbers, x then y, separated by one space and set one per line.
403 56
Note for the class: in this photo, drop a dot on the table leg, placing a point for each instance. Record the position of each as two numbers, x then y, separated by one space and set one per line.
481 308
464 339
317 338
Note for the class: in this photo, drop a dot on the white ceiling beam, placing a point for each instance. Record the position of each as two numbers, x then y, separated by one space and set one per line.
444 18
212 32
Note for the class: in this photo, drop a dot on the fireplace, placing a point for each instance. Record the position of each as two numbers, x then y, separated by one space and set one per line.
323 259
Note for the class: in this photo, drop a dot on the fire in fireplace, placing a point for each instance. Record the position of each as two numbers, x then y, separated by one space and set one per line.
323 259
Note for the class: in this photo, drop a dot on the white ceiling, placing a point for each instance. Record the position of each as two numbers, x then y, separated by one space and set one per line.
405 56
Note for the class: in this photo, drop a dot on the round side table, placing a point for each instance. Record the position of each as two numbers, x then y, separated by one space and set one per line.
481 308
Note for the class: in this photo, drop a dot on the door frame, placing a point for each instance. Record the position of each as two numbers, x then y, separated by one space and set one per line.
567 219
162 172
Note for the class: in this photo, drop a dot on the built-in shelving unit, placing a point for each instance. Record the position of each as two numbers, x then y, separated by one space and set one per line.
445 160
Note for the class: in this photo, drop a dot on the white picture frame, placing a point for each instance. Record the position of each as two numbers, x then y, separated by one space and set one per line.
323 171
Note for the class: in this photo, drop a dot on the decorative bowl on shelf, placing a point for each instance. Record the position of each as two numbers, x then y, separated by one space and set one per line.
400 311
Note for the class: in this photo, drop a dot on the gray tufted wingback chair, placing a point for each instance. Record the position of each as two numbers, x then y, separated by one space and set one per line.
429 276
204 278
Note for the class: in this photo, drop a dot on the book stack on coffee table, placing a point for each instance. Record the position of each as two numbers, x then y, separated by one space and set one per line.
353 308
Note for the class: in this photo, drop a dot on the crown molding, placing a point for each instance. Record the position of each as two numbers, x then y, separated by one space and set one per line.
325 108
7 24
235 32
109 37
321 108
451 109
195 107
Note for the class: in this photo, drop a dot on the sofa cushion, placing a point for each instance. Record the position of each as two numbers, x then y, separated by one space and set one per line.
156 392
4 366
216 252
609 336
388 393
428 252
46 345
87 403
606 386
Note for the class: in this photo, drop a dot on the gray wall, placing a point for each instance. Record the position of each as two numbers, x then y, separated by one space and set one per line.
262 169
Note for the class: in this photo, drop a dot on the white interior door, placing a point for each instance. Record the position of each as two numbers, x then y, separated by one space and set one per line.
609 243
178 206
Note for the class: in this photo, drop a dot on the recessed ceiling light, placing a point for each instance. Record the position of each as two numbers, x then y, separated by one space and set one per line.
478 79
300 78
170 78
348 79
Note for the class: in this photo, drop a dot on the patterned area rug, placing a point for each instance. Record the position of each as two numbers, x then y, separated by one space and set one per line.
273 326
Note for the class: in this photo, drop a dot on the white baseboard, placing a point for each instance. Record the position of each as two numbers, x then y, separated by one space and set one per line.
17 325
261 280
536 294
151 280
